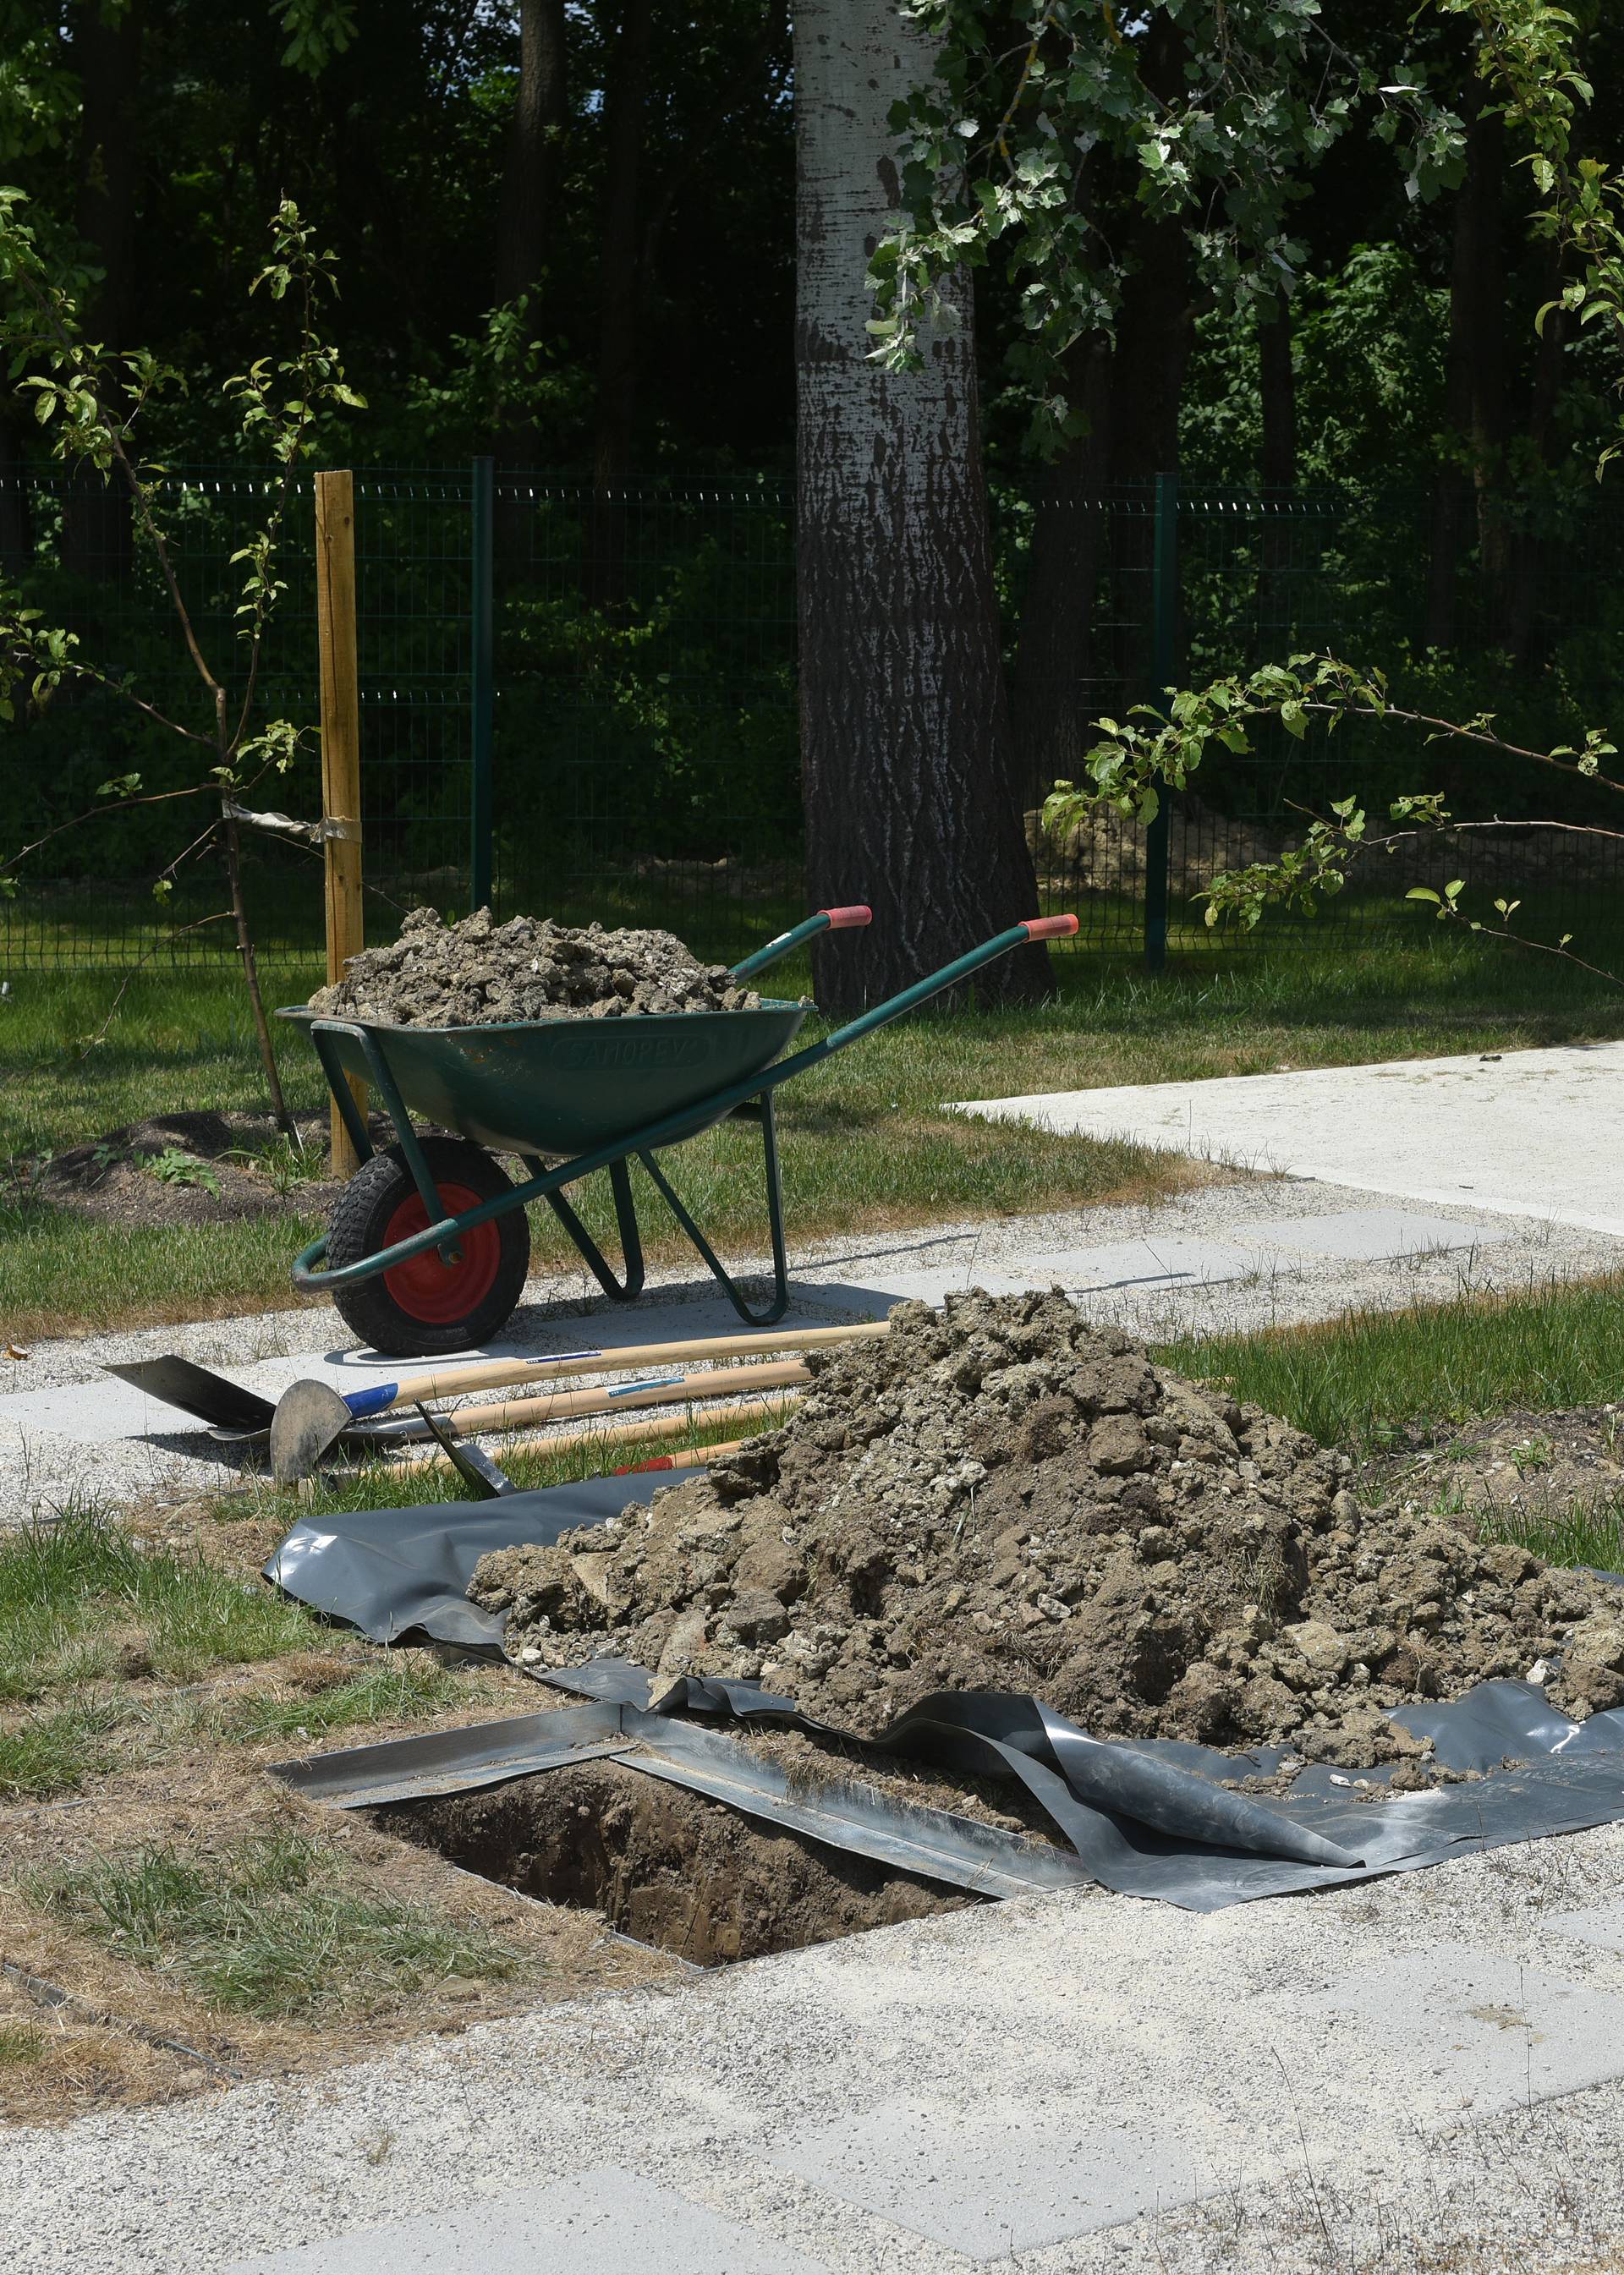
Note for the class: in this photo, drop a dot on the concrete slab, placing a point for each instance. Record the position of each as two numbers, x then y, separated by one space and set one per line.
994 2179
1481 2026
1147 1264
1601 1925
1374 1236
1528 1133
608 2222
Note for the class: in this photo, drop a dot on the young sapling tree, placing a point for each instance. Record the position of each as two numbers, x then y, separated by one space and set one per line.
89 399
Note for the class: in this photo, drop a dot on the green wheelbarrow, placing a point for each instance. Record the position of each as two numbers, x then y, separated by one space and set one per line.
428 1244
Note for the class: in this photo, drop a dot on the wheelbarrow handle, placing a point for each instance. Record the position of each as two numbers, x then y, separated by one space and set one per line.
825 920
922 990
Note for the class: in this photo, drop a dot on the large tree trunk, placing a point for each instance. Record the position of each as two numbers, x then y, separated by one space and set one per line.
1475 391
907 769
620 283
96 537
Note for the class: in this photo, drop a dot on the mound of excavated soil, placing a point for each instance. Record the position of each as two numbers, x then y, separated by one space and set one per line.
479 973
1005 1498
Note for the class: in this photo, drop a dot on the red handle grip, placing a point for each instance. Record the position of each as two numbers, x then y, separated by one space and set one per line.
844 919
1049 927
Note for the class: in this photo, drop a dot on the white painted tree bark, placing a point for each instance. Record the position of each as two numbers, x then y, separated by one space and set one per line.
907 770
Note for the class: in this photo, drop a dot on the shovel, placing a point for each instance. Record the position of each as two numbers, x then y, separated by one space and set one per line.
312 1417
304 1432
228 1409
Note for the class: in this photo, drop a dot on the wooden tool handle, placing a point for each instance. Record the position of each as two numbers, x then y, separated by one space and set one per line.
749 1414
502 1373
520 1413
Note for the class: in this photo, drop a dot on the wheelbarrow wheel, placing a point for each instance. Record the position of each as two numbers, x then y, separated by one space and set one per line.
424 1305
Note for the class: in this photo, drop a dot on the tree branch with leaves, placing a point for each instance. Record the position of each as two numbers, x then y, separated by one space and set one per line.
88 399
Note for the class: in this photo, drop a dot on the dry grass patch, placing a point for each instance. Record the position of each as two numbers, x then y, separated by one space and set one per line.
171 1918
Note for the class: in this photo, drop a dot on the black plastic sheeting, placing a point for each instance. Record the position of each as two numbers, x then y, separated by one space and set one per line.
1147 1818
844 1812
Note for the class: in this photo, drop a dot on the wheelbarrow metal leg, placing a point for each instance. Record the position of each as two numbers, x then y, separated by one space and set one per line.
626 1222
344 1097
754 1110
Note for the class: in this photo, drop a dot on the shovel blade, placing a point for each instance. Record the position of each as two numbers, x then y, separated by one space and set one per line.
309 1420
208 1398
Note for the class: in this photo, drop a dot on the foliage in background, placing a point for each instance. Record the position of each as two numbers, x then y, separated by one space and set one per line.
89 399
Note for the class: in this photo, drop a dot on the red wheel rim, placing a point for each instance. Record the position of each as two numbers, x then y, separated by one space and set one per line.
426 1289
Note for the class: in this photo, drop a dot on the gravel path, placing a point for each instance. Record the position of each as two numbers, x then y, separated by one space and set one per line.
1423 2073
1251 1252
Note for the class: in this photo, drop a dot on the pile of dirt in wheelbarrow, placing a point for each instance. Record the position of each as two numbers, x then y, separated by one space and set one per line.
479 973
1006 1498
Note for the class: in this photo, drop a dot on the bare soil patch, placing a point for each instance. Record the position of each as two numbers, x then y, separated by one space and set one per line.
479 973
670 1868
1004 1497
187 1168
1523 1465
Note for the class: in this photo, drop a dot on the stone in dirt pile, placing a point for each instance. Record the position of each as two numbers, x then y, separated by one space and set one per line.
1006 1498
478 973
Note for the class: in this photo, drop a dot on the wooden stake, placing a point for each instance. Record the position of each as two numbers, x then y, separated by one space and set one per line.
341 751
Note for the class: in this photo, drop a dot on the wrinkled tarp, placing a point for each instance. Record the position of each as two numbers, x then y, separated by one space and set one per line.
844 1812
1149 1818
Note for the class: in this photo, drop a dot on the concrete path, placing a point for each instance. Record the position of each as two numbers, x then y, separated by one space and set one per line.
1253 1252
1523 1133
1424 2073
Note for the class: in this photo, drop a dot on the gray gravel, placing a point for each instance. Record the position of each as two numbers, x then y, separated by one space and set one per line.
1306 2129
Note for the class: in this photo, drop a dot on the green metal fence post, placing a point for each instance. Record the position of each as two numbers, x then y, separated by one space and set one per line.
1164 669
482 688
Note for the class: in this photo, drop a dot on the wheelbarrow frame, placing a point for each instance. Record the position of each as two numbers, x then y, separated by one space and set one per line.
749 1099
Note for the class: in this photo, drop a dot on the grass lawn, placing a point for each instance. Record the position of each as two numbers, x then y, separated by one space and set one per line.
866 1146
188 1904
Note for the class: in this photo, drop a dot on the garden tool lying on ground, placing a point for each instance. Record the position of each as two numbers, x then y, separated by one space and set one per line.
233 1412
487 1480
749 1416
296 1449
312 1418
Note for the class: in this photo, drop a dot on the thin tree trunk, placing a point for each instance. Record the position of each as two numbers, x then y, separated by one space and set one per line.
534 159
1278 388
907 770
16 522
97 536
532 177
620 279
1542 430
1050 699
1475 392
1278 392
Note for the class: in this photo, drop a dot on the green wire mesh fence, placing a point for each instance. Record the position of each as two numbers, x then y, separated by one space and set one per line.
584 703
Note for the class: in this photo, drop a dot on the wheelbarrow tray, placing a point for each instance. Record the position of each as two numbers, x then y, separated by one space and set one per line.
562 1086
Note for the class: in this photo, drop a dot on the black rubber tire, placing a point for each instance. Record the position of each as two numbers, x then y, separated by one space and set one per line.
359 1228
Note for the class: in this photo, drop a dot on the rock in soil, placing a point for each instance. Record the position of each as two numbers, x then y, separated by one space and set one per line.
480 973
1003 1497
